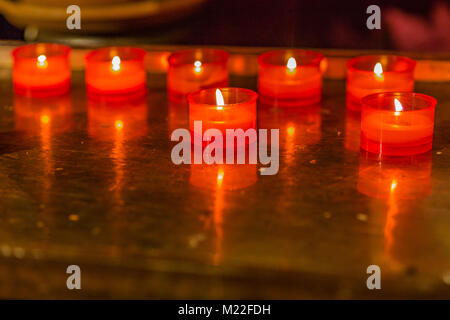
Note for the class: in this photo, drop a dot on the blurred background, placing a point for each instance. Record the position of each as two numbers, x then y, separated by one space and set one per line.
421 26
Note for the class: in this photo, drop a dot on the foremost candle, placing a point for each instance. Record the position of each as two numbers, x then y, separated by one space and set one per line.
196 69
372 74
222 109
290 77
41 70
397 124
115 71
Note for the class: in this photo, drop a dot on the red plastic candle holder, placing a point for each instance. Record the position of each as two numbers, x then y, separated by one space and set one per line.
115 71
290 77
41 70
397 124
377 73
196 69
237 112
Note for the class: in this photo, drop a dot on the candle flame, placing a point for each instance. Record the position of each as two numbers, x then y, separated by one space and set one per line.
398 107
42 61
219 100
378 70
197 66
291 64
115 63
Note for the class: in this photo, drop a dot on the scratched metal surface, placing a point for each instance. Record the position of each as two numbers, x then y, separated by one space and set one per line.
76 189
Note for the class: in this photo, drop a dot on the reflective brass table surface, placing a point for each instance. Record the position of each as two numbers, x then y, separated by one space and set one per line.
82 183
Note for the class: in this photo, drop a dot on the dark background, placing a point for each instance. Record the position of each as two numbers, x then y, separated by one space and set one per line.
406 25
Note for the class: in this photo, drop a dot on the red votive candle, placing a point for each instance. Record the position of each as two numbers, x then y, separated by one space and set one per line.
378 73
224 108
397 124
115 71
290 77
41 70
196 69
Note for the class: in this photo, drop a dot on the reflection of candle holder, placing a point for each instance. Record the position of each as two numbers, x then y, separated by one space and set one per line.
115 71
238 111
404 177
290 77
352 130
224 176
108 118
397 124
298 126
196 69
32 115
41 70
372 74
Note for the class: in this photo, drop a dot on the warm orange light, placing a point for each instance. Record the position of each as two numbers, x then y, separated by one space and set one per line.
291 64
197 66
219 99
290 130
115 63
42 61
118 124
45 119
393 185
398 107
220 175
378 70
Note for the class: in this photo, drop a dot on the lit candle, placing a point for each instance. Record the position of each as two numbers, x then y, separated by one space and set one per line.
372 74
115 71
397 124
41 70
196 69
225 108
290 77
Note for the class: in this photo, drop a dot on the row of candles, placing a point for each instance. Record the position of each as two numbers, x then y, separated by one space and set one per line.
394 120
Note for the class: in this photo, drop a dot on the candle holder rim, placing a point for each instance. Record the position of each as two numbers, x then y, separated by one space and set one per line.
64 53
90 56
410 62
318 57
224 56
432 101
253 96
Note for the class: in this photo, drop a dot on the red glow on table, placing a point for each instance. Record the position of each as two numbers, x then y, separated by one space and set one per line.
403 177
352 130
224 108
378 73
111 120
41 70
196 69
38 115
223 176
290 77
115 71
299 127
397 124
